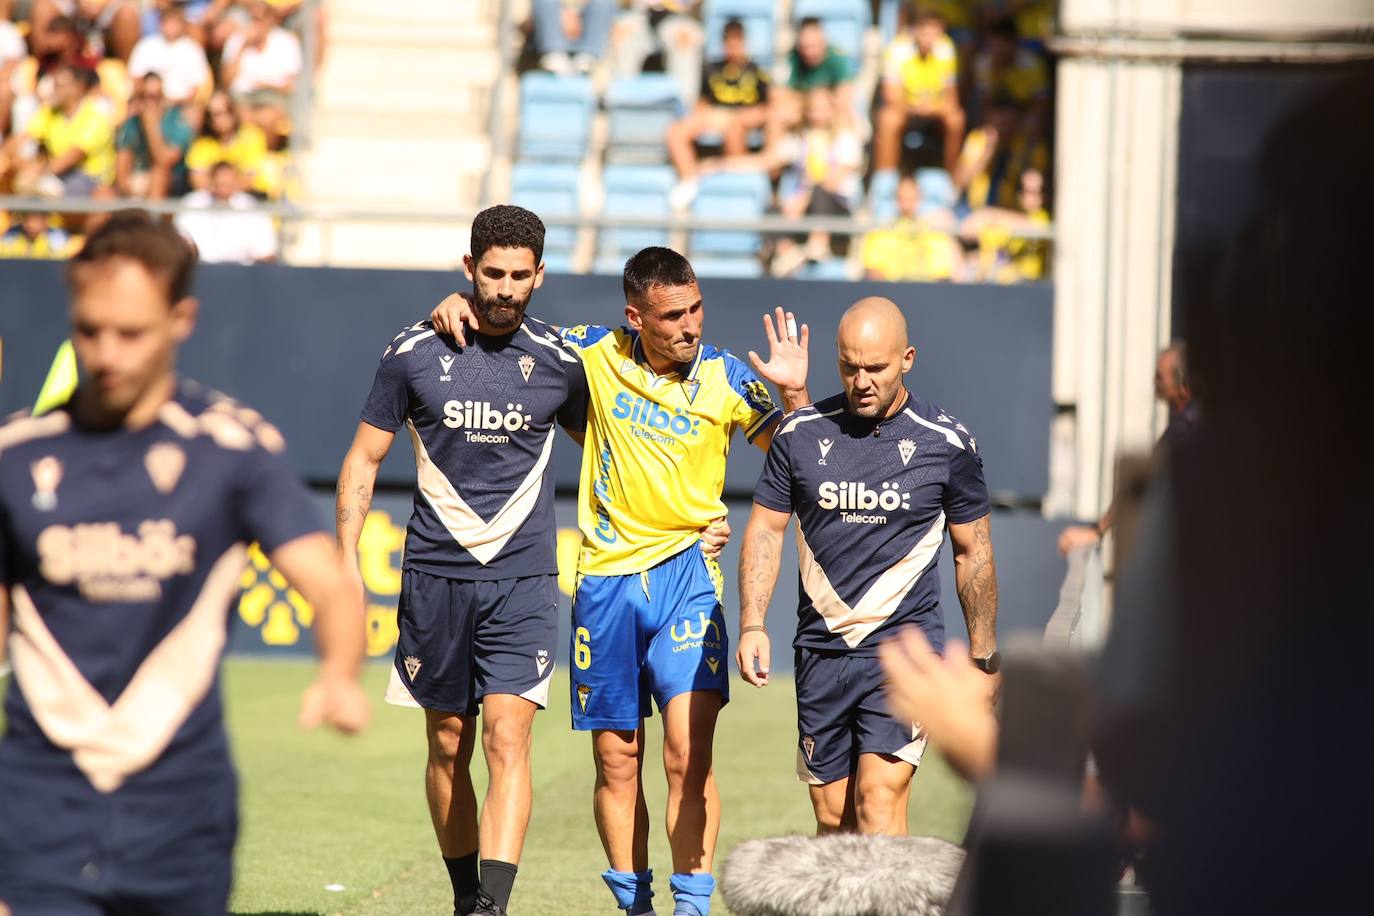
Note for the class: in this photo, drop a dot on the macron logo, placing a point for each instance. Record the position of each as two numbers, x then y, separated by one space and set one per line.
825 445
447 363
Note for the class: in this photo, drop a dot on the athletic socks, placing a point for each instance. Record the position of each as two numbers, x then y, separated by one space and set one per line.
497 879
692 894
462 872
633 890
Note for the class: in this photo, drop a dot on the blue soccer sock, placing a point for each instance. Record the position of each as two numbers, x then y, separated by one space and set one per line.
633 890
692 894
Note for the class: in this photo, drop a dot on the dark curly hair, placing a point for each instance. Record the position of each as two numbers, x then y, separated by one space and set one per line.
507 226
655 267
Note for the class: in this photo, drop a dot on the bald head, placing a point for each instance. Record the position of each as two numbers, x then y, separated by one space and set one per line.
873 319
874 357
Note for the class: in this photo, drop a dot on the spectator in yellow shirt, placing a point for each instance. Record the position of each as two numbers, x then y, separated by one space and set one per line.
67 148
995 156
920 92
32 237
1004 68
1005 255
226 138
915 247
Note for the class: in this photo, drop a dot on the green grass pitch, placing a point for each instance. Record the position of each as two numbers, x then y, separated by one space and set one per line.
322 810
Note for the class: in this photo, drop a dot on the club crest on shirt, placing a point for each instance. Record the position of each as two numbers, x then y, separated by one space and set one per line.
412 666
47 474
583 694
541 661
907 449
690 387
526 364
626 365
809 746
447 363
164 462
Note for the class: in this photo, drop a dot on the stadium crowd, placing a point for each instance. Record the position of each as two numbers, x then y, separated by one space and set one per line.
150 100
948 152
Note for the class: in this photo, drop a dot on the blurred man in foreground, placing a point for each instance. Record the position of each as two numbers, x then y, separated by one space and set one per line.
875 476
125 518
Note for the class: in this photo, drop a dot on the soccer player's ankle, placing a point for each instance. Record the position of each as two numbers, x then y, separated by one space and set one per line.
692 893
497 880
462 872
633 890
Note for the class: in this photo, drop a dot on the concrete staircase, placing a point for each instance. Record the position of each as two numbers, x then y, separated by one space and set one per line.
399 125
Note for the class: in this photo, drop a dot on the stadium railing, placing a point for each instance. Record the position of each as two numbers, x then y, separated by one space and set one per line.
1079 620
289 214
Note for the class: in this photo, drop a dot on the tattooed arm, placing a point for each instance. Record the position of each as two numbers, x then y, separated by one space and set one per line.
353 497
975 575
760 559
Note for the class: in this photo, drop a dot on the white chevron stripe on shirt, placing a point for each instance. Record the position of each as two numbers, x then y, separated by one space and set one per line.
483 540
854 624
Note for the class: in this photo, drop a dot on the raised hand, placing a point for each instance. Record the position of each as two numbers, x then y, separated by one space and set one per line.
787 357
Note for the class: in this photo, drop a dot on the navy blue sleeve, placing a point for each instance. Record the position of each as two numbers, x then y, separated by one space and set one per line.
774 490
388 402
966 494
274 506
572 415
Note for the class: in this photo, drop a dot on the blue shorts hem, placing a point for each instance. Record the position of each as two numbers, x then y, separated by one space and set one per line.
620 725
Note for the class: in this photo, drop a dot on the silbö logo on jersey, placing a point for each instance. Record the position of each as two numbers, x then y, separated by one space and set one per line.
484 421
856 500
108 565
651 420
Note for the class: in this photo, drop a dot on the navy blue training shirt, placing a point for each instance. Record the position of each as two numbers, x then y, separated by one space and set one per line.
481 419
872 501
121 551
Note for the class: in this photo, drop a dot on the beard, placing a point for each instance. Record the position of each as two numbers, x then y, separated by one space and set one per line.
497 314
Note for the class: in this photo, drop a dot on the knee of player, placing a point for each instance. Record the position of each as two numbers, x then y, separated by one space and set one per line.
687 761
617 768
505 739
446 741
877 799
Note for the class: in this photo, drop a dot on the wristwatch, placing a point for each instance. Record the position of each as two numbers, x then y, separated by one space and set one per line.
989 664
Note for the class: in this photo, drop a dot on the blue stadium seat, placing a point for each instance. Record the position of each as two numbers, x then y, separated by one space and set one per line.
549 189
831 269
760 24
938 191
730 195
845 23
889 19
633 190
640 110
555 116
727 267
882 195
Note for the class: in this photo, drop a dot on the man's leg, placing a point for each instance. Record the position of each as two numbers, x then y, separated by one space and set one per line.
452 804
622 816
883 788
833 804
887 136
682 134
952 128
693 816
506 723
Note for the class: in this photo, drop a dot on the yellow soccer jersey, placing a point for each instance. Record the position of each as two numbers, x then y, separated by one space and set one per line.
653 464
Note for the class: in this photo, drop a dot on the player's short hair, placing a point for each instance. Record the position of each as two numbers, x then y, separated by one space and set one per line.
655 267
138 236
507 226
732 27
810 22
